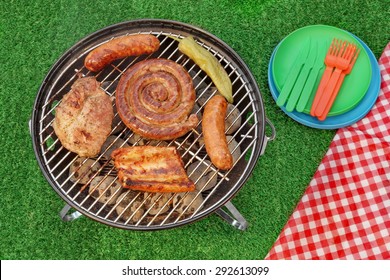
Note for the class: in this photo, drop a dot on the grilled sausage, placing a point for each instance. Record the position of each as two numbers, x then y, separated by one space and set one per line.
130 45
213 127
155 98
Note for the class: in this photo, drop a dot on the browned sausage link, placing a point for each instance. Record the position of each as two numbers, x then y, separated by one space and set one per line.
213 127
130 45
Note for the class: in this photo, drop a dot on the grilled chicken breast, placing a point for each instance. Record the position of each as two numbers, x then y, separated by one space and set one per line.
151 169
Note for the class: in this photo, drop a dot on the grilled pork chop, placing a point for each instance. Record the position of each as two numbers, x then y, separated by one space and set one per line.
83 118
151 169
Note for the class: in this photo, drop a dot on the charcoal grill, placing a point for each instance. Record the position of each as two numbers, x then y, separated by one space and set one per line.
250 138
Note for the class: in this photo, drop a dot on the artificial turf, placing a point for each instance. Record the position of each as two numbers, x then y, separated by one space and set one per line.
34 34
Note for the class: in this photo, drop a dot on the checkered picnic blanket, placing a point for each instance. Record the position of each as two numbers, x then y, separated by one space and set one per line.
345 211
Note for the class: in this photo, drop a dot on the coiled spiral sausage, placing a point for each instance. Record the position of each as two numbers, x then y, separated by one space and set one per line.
155 98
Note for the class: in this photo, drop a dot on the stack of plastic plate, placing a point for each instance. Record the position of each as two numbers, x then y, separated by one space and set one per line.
358 92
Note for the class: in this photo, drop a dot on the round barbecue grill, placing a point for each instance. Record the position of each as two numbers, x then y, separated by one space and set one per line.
247 141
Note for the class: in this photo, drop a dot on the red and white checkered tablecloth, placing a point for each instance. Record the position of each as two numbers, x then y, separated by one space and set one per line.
345 211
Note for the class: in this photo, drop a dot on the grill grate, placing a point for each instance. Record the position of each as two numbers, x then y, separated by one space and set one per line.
137 210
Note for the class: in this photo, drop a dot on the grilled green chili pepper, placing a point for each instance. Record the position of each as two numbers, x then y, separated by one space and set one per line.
208 63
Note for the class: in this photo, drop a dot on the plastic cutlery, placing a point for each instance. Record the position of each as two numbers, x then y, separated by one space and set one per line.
330 62
338 86
347 52
293 74
302 78
311 80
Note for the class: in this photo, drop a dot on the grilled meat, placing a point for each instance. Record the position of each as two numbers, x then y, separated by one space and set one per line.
151 169
155 97
130 45
213 127
83 118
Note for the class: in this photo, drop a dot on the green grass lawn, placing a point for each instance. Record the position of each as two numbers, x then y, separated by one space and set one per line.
34 34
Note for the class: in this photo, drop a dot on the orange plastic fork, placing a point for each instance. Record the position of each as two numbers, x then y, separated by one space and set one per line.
330 62
338 86
342 63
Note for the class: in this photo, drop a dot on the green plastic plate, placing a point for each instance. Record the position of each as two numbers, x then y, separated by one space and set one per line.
355 84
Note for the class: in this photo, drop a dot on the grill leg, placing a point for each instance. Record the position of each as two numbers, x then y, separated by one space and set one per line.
234 218
66 216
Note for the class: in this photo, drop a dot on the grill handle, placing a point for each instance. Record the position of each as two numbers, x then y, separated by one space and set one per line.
268 138
69 217
235 219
